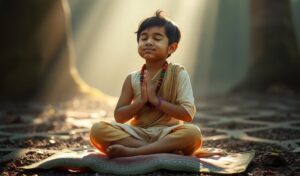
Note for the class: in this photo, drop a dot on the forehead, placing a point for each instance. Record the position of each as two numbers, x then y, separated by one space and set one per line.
154 30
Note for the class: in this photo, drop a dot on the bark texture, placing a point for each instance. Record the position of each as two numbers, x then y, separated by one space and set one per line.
37 58
275 60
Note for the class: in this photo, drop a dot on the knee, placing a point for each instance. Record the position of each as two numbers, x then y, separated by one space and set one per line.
98 128
192 132
192 135
99 132
96 136
193 138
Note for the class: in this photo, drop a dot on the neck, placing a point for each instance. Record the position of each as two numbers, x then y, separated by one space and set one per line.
154 65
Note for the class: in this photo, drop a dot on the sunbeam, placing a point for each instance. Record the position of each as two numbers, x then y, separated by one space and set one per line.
106 44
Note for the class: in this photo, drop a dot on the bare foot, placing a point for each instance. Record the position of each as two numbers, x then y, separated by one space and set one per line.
117 150
202 153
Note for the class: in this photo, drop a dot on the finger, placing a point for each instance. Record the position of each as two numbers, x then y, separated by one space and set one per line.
145 76
144 88
144 83
147 80
108 149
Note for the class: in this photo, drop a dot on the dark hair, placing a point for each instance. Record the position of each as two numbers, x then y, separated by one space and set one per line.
172 30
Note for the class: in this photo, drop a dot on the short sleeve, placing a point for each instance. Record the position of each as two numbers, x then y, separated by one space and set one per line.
135 83
185 96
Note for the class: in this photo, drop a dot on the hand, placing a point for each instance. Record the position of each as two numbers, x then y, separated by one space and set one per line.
152 98
144 94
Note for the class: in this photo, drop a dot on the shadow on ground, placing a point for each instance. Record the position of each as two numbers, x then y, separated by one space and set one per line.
269 124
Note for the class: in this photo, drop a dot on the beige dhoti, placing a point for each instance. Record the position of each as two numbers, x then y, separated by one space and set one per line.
103 133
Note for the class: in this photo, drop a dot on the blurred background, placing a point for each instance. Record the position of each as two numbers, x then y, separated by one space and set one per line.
63 63
53 49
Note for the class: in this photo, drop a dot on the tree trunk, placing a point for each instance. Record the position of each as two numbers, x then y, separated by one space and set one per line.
37 60
275 61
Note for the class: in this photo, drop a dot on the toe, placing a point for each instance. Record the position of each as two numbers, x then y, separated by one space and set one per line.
108 149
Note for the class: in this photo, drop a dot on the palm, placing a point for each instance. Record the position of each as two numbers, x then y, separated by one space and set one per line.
144 94
150 87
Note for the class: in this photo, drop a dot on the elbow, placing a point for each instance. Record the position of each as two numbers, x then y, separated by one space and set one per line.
187 118
119 121
118 117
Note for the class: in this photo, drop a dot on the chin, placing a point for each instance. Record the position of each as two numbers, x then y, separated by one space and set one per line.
148 57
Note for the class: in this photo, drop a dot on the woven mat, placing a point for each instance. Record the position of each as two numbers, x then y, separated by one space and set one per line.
91 159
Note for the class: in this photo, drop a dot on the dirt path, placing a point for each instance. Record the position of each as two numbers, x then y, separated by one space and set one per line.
269 124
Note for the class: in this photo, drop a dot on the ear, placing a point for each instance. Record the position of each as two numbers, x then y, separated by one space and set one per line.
172 48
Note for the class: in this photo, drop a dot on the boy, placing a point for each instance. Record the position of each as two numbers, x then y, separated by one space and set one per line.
156 101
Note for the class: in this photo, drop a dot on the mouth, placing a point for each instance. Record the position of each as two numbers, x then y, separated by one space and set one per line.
148 50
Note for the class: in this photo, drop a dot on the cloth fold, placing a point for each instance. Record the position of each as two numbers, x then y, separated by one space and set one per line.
81 160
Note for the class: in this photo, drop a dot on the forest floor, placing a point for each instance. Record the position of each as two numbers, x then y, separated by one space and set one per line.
268 124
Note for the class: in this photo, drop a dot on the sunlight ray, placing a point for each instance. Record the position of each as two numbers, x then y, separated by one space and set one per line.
106 44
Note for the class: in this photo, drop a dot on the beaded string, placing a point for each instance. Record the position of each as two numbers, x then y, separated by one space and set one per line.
161 78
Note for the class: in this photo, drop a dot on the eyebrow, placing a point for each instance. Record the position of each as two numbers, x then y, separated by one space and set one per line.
156 34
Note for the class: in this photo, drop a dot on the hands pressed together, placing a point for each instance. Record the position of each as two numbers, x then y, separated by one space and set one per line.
148 90
125 110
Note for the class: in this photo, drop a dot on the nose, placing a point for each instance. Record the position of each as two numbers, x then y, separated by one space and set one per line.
149 42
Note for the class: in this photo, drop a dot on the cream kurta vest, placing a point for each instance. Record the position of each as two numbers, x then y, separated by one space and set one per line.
149 117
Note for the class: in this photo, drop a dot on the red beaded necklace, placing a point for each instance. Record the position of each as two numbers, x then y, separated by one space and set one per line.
161 78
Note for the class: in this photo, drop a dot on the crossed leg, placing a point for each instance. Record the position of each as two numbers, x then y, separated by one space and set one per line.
185 139
165 145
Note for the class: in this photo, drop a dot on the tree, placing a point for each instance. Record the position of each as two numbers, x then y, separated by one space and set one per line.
37 60
275 60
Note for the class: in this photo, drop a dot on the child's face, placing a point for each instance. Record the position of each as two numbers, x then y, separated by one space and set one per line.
153 44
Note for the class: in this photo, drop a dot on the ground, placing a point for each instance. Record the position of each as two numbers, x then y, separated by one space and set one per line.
267 123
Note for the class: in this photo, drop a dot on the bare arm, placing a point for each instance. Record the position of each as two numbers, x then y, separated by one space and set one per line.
125 109
171 109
